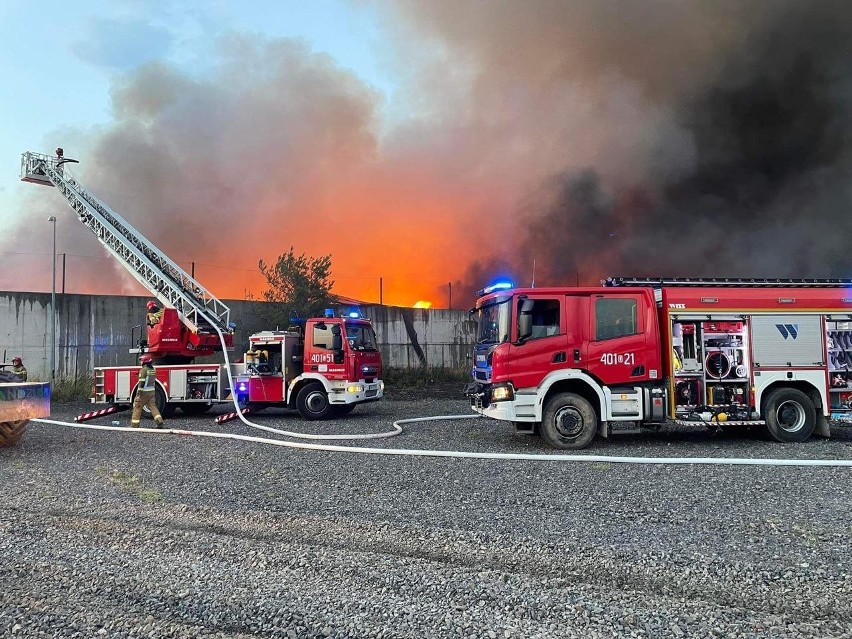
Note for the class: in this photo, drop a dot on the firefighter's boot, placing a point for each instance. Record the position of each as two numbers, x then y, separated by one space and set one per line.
158 421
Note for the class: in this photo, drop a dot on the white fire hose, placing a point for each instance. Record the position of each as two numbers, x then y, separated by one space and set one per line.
415 452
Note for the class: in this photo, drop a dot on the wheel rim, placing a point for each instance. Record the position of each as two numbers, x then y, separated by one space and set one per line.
569 422
316 402
790 416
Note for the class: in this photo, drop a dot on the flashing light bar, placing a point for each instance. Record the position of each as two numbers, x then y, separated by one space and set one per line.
497 286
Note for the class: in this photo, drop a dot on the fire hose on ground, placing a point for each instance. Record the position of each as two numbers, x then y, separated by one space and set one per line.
414 452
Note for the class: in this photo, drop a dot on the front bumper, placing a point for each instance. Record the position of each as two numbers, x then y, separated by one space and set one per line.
480 401
357 392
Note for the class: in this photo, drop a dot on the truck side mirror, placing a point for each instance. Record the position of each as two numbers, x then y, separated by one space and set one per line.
336 339
525 321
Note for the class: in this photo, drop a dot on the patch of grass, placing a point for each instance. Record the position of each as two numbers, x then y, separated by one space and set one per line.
601 466
131 484
424 376
70 389
150 496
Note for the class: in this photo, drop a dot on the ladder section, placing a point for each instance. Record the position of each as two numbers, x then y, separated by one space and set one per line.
198 308
726 282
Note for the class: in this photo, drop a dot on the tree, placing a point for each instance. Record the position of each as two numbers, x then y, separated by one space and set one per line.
298 285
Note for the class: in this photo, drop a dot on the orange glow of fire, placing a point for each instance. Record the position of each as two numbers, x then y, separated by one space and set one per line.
422 304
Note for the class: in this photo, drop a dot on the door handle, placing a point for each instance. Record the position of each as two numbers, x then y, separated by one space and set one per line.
558 357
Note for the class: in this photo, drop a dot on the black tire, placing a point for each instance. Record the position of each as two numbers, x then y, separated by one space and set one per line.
166 409
312 402
195 408
342 410
790 415
11 432
569 422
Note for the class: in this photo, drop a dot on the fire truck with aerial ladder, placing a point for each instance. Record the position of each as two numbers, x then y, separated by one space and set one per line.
322 367
576 362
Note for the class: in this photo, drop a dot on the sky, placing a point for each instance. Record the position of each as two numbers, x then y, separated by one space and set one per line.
430 146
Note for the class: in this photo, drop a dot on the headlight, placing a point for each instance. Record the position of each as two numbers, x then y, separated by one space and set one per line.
502 393
355 388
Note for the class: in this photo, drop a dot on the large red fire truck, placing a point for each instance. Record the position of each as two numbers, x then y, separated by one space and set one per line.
323 366
572 363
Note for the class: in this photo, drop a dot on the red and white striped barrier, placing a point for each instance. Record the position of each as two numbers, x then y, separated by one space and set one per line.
100 413
229 416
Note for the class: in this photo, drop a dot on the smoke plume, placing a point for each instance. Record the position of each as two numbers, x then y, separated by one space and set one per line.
560 141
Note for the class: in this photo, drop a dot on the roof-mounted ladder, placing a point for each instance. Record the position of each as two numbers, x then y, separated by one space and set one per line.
167 281
659 282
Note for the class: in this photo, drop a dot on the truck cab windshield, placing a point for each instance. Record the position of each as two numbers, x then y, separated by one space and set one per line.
493 322
361 337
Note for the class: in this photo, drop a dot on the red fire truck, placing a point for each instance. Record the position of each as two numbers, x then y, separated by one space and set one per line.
323 367
572 363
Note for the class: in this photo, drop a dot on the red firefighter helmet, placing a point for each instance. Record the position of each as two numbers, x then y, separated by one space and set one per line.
151 305
145 359
17 360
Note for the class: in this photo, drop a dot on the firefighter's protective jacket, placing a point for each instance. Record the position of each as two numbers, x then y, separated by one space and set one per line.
147 377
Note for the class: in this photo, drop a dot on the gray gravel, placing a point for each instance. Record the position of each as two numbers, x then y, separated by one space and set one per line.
131 535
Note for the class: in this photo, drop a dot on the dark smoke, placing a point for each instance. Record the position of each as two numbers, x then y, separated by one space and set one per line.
769 192
569 139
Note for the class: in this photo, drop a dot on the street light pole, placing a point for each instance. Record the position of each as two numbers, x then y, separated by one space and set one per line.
52 220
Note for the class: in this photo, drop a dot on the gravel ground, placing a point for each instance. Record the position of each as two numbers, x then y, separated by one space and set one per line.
106 534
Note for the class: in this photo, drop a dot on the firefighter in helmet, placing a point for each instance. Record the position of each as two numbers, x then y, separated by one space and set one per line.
146 394
155 313
19 369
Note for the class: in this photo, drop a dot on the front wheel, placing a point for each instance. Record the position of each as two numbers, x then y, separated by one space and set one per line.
790 415
569 422
312 402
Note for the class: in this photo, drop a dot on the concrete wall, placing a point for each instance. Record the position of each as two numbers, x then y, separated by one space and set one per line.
97 330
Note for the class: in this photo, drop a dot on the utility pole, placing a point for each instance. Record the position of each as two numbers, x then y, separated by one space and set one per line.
52 220
450 286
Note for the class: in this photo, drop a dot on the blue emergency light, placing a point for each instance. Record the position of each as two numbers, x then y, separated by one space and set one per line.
497 286
329 312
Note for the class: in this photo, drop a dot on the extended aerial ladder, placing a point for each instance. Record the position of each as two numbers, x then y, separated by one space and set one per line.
201 315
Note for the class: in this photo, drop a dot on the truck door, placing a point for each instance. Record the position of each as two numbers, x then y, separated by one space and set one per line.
554 342
617 344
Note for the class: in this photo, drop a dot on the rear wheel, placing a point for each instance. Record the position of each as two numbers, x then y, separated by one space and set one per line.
569 422
790 415
312 402
166 409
